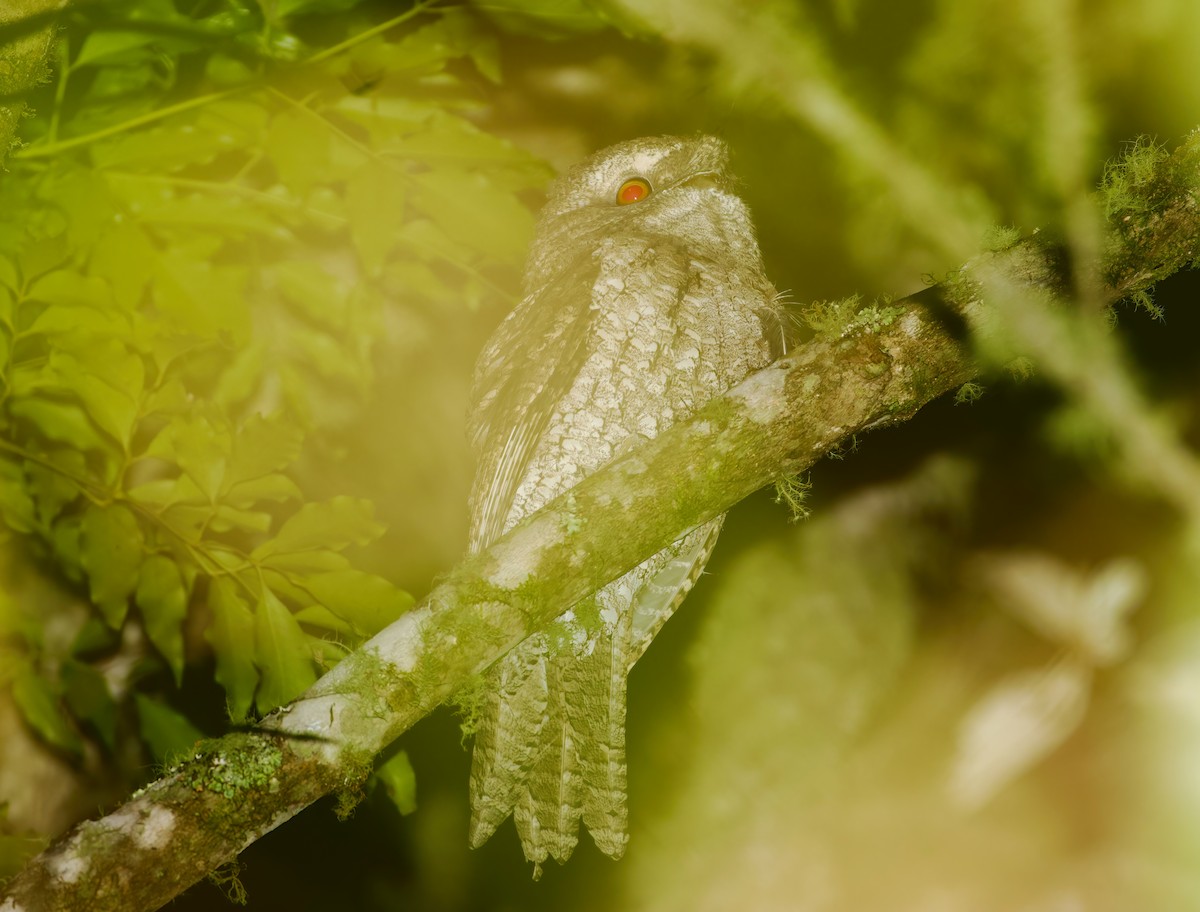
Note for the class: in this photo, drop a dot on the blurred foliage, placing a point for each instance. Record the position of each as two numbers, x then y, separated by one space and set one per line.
248 250
200 243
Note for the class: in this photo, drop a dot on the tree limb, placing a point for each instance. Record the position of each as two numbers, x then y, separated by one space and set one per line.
778 421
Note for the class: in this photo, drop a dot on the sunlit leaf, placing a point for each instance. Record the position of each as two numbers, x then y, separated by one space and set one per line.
67 287
112 550
472 210
313 291
367 602
162 597
86 693
169 734
320 616
231 634
318 560
226 518
105 43
198 448
375 196
334 524
42 709
299 146
400 781
261 447
17 507
282 654
277 488
63 422
51 490
201 297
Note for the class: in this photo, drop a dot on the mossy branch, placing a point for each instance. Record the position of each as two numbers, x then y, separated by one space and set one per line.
775 424
27 39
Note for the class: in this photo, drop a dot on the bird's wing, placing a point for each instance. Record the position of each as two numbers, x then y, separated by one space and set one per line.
526 367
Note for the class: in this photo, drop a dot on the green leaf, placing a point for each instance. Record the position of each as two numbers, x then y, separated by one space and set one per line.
15 851
334 524
313 291
186 521
190 138
69 288
225 215
62 422
291 7
197 447
168 733
86 692
112 546
51 490
276 488
41 708
108 380
282 654
227 518
66 540
473 211
201 297
320 616
167 492
367 602
17 508
299 146
162 597
398 778
95 636
263 446
232 637
375 196
316 561
125 258
105 43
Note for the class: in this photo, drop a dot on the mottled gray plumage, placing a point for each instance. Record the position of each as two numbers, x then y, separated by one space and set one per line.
633 317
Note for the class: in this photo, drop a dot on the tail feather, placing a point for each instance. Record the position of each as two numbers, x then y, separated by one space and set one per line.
550 748
547 813
508 737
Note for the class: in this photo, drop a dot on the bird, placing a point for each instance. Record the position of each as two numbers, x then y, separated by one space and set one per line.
644 296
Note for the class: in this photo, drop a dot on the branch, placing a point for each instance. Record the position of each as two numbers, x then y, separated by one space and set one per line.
778 421
27 38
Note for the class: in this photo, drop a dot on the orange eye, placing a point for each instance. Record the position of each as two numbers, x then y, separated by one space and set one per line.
633 190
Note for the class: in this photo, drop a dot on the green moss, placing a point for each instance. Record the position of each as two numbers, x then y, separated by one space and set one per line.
356 768
793 491
572 522
829 319
469 702
1000 237
968 393
847 317
227 879
234 764
1129 183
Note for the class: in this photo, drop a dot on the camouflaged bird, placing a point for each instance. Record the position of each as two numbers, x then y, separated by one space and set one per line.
645 296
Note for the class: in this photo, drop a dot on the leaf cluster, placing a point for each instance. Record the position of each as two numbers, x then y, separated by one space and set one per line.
218 211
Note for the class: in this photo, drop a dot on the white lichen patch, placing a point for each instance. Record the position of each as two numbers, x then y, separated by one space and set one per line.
402 643
156 829
69 865
517 558
10 905
762 395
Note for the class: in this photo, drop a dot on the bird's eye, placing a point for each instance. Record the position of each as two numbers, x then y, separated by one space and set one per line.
633 190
